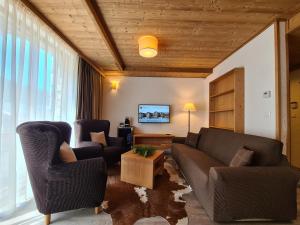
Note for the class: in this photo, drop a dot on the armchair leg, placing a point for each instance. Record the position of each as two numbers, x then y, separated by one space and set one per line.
47 219
98 210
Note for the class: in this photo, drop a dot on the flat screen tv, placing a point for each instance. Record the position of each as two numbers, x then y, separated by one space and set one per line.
154 113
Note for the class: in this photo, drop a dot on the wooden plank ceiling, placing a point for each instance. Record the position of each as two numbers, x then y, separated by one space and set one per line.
194 35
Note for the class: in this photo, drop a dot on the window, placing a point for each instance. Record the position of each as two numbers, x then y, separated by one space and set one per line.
38 81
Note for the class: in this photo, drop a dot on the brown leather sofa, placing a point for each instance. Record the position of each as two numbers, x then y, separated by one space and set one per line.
264 190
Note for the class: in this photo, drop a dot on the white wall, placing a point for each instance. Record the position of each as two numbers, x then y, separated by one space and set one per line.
138 90
258 59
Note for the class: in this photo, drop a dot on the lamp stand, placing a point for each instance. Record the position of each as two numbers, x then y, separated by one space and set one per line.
189 127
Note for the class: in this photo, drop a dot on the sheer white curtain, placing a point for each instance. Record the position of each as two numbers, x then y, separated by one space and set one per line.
38 81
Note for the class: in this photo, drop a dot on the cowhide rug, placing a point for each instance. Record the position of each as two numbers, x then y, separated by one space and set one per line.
127 203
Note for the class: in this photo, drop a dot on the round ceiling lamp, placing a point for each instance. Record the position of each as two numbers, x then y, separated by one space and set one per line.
148 46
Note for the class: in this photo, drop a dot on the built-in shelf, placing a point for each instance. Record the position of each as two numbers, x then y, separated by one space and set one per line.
226 101
222 93
221 110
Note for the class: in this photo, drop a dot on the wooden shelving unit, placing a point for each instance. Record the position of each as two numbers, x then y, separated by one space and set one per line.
226 101
222 93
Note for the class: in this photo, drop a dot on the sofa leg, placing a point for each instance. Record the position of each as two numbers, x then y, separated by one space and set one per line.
98 210
47 219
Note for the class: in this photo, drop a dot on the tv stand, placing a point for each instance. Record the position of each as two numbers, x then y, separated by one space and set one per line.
161 141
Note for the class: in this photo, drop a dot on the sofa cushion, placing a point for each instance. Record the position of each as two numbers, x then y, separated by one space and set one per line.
223 145
243 157
192 139
194 164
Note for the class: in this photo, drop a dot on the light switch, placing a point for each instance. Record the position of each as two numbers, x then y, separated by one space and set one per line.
267 94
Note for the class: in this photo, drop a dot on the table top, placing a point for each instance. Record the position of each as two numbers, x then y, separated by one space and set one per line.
153 135
131 154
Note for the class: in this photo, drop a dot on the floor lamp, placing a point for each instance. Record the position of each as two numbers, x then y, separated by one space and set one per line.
189 107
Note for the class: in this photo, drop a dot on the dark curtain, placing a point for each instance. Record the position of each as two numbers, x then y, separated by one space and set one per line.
89 92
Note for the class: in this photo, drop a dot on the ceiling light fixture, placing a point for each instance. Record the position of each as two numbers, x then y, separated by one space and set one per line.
148 46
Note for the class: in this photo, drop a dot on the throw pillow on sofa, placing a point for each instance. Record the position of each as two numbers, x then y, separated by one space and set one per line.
66 153
98 137
192 139
243 157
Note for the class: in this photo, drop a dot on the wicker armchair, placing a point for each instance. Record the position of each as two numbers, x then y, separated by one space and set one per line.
59 186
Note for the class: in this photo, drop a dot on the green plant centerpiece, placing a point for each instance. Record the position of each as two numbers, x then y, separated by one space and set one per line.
144 150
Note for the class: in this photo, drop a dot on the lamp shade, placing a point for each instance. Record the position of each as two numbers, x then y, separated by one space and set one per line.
148 46
189 107
114 85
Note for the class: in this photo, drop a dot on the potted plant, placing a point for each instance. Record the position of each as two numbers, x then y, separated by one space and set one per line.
144 150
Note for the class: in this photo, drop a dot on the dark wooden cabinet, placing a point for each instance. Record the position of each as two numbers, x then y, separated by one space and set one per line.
127 134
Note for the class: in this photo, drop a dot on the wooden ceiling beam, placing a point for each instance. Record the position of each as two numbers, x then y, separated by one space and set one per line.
30 6
98 19
294 23
170 69
155 74
145 73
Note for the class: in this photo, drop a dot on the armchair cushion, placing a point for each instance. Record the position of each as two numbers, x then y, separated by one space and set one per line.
66 153
98 137
84 144
88 152
116 141
112 154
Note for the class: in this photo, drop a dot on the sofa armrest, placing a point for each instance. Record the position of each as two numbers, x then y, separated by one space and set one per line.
116 141
253 192
179 140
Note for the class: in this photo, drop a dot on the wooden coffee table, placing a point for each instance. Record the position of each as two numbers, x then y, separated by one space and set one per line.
141 171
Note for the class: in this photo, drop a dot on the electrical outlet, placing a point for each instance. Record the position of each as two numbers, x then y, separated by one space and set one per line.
268 115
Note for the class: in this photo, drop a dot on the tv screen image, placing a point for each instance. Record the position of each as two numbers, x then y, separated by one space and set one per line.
154 113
